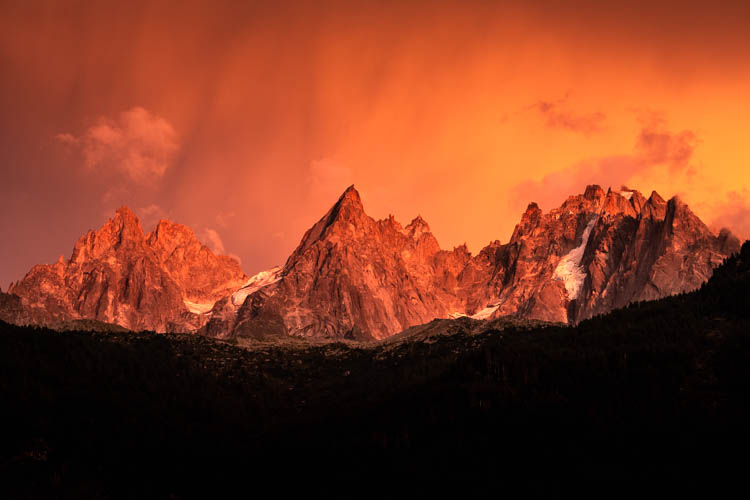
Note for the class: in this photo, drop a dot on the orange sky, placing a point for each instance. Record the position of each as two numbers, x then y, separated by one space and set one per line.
246 121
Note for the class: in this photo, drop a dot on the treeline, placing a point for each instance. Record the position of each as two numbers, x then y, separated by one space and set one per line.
656 393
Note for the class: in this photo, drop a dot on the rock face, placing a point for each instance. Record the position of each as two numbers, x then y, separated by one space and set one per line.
356 277
647 249
161 281
202 277
600 251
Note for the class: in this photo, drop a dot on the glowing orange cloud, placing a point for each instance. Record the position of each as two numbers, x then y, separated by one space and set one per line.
558 117
140 144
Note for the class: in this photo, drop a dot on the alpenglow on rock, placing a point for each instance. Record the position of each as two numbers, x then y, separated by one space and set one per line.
159 281
352 276
355 277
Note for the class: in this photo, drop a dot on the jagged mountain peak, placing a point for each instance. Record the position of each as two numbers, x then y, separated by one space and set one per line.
348 207
619 202
168 235
677 201
593 192
122 231
654 207
125 219
418 221
574 211
638 201
119 275
350 194
532 207
729 242
125 211
346 217
656 198
531 213
417 227
166 225
125 222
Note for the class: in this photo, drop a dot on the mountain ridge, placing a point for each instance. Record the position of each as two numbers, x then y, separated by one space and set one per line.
119 274
352 276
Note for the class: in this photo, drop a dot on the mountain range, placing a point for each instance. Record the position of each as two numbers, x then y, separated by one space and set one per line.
650 397
359 278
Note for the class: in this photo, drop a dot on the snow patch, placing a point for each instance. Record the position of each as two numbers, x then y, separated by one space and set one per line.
255 283
483 314
486 312
626 194
569 268
198 307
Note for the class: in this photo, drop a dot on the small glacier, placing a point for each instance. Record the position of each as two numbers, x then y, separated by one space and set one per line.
482 314
198 307
485 313
255 283
569 269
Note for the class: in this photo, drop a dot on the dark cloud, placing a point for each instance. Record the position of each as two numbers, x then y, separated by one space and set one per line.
654 145
555 187
734 214
557 115
657 146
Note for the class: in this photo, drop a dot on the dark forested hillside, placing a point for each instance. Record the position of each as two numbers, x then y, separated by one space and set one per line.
656 394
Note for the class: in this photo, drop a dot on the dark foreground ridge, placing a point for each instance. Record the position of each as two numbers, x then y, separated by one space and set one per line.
657 393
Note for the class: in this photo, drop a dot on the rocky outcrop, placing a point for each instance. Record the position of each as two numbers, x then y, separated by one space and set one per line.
162 281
